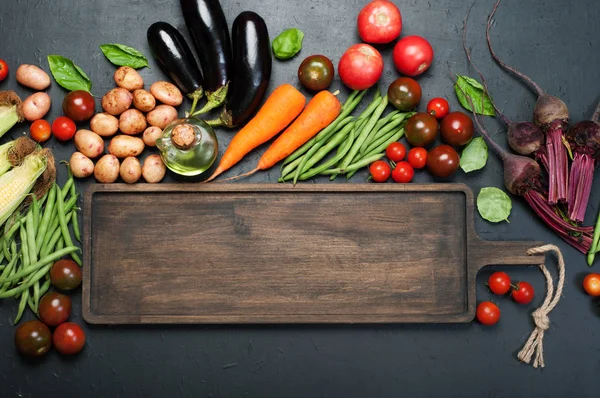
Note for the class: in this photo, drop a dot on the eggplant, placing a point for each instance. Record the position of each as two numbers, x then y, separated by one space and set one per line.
175 58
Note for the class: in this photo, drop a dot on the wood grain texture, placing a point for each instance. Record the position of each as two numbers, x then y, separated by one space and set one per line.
268 253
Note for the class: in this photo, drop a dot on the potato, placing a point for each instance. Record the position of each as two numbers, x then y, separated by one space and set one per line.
89 143
81 166
128 78
104 125
33 77
151 134
132 122
143 100
36 106
167 93
123 146
131 170
161 116
117 101
154 169
107 169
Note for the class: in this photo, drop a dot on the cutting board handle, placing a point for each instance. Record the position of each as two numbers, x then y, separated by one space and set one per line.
505 253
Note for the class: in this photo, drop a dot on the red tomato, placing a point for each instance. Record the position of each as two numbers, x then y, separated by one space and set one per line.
40 130
438 108
360 67
63 128
591 285
488 313
79 105
523 293
403 173
413 55
457 128
54 308
442 161
33 338
395 152
3 69
380 171
65 274
417 157
68 338
379 22
499 283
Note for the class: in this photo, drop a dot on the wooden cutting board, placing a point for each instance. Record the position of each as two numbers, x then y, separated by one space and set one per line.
273 253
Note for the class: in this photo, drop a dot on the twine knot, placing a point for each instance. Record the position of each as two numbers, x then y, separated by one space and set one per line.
541 319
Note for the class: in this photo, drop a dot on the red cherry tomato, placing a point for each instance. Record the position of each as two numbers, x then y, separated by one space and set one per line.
442 161
79 105
65 274
63 128
438 108
379 22
54 308
380 171
457 128
3 69
360 67
68 338
33 338
40 130
403 173
499 283
395 152
488 313
413 55
591 285
417 157
523 293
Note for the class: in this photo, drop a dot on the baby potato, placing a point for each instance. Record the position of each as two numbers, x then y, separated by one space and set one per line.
89 143
107 169
123 146
167 93
143 100
104 125
36 106
81 166
151 134
117 101
161 116
131 170
154 169
33 77
132 122
128 78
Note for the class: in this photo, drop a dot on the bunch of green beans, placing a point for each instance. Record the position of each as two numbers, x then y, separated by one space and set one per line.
31 243
359 141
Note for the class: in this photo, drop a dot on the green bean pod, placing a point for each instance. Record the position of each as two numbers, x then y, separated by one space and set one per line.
39 264
46 218
344 148
22 304
359 165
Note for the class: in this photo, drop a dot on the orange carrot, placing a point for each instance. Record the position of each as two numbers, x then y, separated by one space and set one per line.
280 109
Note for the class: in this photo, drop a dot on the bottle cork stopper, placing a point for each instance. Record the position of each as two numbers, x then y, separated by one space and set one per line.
183 136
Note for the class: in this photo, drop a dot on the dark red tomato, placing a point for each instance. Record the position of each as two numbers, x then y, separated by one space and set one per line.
395 152
316 72
442 161
438 108
421 129
63 128
457 128
3 69
68 338
40 130
33 338
54 308
379 22
360 67
499 283
79 106
417 157
523 293
380 171
65 275
591 284
403 173
404 93
413 55
488 313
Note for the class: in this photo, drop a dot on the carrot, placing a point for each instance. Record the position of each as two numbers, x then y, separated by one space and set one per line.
280 109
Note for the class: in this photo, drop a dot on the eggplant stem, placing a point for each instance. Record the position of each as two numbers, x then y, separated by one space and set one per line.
215 99
215 122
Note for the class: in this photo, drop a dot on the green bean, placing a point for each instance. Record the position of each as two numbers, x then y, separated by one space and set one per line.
382 123
46 218
35 210
344 148
31 304
34 278
45 287
2 267
359 165
24 246
54 225
40 263
65 228
22 305
7 272
384 131
30 235
53 243
66 188
75 223
595 243
61 243
399 134
289 168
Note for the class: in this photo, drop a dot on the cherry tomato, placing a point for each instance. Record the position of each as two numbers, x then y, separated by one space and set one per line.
68 338
63 128
591 284
499 283
65 275
395 152
457 128
3 69
523 293
79 105
360 67
412 55
54 308
403 173
380 171
379 22
404 93
417 157
438 108
40 130
33 338
488 313
316 72
421 129
442 161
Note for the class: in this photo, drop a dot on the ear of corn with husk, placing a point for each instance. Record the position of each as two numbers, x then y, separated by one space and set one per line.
10 111
13 152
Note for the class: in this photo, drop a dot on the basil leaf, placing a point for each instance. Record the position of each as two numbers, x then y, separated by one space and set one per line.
493 204
474 156
288 43
122 55
466 86
67 74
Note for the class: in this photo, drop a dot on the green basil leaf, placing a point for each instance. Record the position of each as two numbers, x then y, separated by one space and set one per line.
493 204
67 74
474 156
288 43
122 55
466 86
